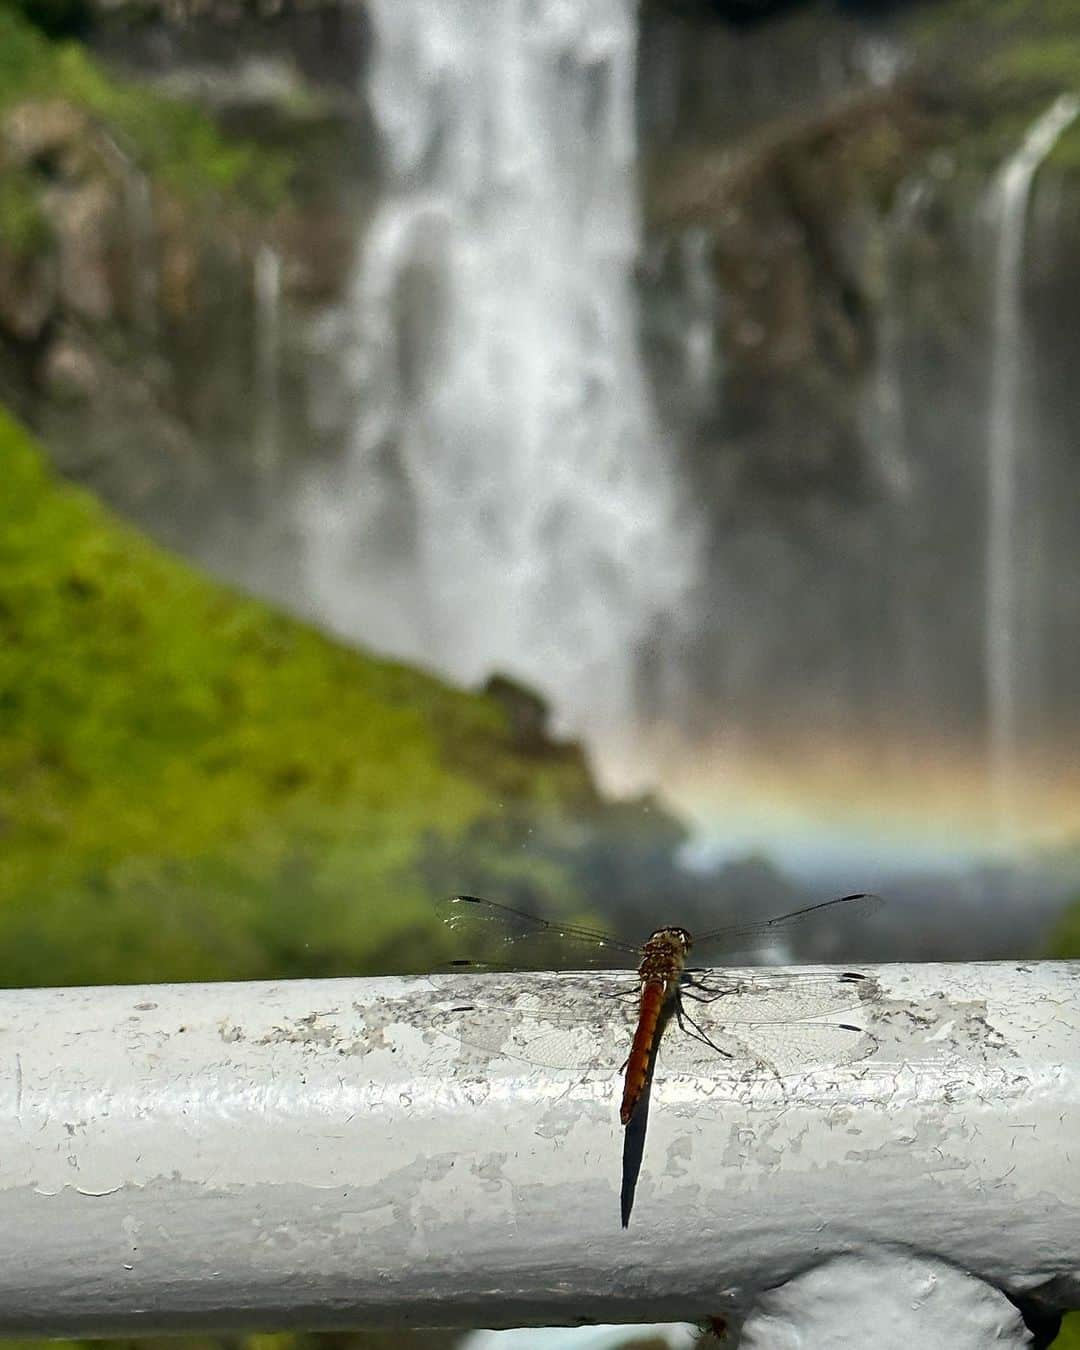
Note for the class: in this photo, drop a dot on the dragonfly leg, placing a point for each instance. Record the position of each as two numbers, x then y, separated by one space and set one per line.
709 995
691 974
687 1024
632 991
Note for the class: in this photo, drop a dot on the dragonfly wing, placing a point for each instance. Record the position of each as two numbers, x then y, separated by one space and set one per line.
601 1044
762 996
767 1019
759 1023
533 952
487 935
761 1052
537 1031
828 918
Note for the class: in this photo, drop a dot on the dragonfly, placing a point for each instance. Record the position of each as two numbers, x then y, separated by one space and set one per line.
665 983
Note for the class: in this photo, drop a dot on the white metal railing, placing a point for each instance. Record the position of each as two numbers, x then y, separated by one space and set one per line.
330 1153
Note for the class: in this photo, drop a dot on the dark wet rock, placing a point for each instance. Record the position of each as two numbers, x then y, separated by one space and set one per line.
27 294
526 713
69 371
113 258
795 225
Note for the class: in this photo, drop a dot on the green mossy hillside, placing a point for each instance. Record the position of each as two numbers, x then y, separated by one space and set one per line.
174 141
194 786
1018 55
1068 1338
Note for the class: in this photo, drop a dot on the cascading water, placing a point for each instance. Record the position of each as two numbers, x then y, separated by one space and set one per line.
887 432
143 254
267 448
798 653
701 313
506 500
1005 551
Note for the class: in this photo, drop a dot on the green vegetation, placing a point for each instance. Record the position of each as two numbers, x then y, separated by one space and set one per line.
1068 1338
1065 944
1023 46
1050 61
23 227
193 786
172 140
1065 940
1009 20
1017 56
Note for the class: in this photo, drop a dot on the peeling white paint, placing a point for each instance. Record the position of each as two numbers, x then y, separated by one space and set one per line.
326 1153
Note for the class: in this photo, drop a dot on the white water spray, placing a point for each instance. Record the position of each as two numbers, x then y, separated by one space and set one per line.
702 303
506 500
1004 553
887 436
267 448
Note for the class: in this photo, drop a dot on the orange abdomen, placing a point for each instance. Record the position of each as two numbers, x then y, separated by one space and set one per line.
641 1052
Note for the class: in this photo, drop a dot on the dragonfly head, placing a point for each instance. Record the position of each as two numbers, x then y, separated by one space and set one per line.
677 940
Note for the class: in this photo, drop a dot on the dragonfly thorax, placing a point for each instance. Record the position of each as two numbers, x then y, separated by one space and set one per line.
664 955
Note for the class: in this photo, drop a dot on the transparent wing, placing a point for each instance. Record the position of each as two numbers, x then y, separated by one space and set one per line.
485 930
845 909
537 1037
493 936
758 1021
757 997
765 1050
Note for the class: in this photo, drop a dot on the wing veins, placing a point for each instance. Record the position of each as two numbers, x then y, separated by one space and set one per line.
862 902
494 909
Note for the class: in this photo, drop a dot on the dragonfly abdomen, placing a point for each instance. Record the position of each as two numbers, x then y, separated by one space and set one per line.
653 995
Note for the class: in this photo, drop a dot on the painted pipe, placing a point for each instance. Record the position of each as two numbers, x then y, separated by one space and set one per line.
446 1150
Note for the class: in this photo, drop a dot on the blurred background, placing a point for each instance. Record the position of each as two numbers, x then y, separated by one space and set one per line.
616 458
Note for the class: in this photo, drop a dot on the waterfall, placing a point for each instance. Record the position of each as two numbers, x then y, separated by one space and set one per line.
904 667
887 436
143 255
267 449
702 306
1005 559
506 499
